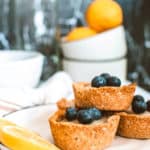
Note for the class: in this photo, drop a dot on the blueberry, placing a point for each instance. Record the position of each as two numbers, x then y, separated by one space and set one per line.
71 114
96 114
113 81
105 75
139 98
98 81
138 104
84 116
148 105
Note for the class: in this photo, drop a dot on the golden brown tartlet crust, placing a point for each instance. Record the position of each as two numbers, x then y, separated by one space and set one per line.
64 103
104 98
134 125
76 136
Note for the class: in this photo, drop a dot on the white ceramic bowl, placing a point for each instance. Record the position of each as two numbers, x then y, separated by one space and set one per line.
106 45
85 71
20 68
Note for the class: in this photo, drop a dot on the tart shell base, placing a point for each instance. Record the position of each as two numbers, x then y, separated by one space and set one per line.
103 98
134 126
76 136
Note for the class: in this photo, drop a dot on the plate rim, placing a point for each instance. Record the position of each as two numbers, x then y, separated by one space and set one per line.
27 107
24 109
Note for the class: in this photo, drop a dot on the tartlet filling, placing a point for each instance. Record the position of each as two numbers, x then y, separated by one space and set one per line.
95 122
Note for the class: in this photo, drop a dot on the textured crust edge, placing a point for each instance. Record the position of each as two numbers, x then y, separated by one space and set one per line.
134 126
104 98
64 103
71 136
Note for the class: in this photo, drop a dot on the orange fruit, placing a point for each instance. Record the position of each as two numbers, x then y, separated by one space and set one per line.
16 138
103 14
80 33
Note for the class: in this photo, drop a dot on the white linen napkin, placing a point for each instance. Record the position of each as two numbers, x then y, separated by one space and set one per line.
50 91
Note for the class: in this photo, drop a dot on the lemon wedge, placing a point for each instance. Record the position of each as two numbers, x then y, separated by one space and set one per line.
16 138
4 122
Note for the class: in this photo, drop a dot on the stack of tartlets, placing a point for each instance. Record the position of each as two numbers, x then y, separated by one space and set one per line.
99 111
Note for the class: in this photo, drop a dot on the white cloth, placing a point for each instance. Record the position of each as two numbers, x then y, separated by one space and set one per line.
50 91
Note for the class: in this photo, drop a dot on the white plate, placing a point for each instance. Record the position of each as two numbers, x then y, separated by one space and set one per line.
36 118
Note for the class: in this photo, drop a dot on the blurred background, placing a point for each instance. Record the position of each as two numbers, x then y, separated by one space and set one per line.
38 25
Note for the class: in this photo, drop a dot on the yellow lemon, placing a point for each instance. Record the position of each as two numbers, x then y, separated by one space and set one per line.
80 33
104 14
4 122
19 138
